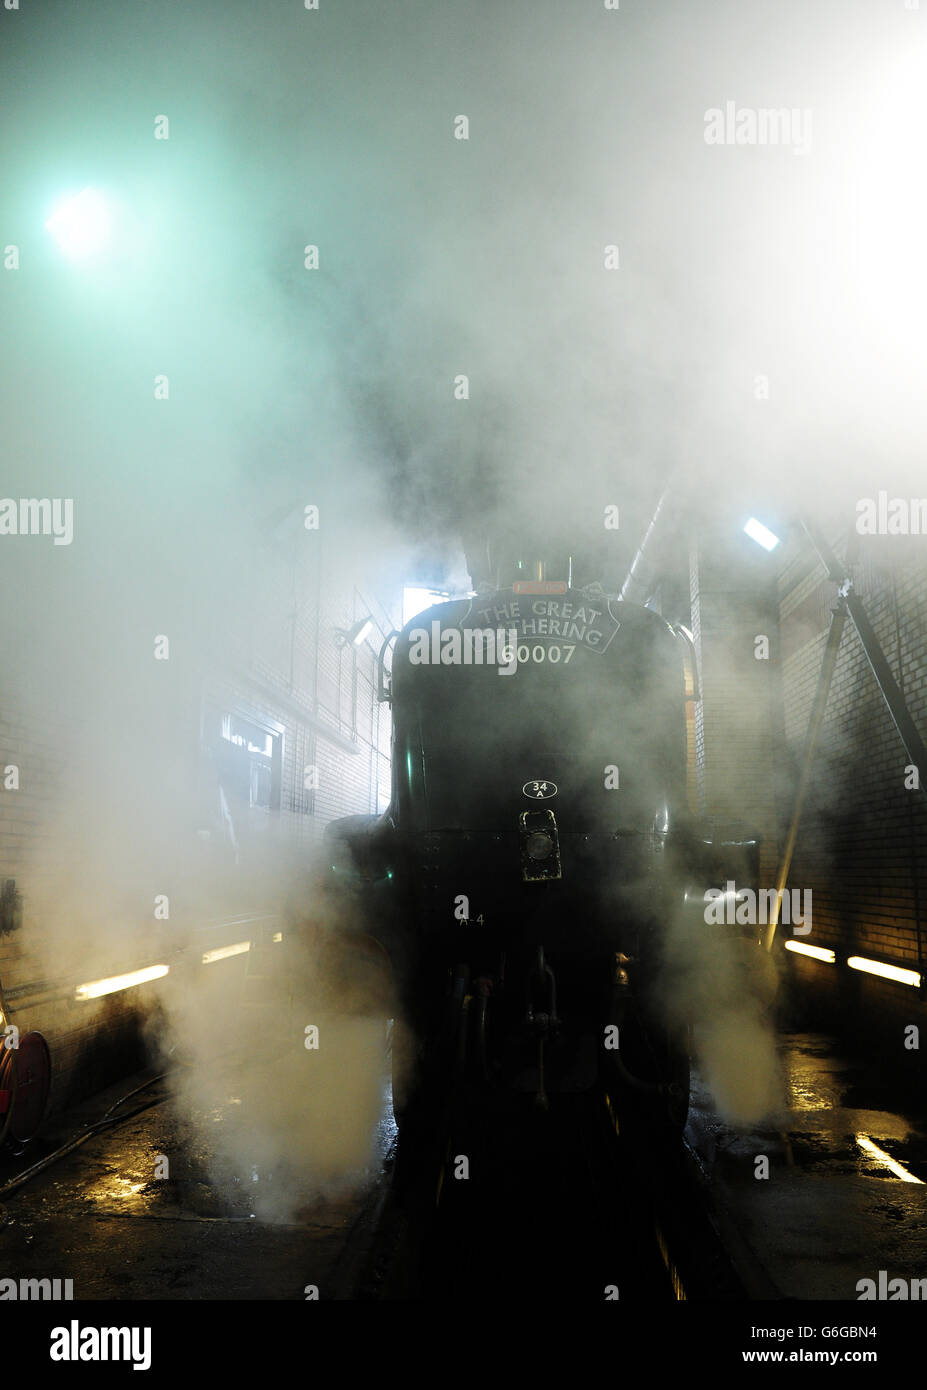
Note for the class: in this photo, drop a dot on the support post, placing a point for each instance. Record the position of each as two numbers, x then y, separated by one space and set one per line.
837 622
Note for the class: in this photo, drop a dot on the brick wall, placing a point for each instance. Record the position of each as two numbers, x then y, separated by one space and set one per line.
862 848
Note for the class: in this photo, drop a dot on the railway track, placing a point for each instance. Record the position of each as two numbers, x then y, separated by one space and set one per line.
523 1205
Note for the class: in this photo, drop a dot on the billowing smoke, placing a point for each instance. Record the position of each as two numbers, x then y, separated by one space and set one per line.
520 319
282 1086
724 987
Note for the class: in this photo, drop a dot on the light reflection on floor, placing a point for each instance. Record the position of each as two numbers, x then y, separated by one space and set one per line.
832 1188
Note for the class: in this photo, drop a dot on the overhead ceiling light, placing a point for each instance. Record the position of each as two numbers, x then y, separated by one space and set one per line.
93 989
801 948
887 972
81 225
356 634
223 952
761 534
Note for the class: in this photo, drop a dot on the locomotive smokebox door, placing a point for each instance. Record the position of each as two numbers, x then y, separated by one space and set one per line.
540 846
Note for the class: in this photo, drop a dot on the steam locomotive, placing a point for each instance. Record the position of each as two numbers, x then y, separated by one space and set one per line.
538 841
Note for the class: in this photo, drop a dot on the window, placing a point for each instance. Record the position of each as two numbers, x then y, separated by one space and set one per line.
254 766
416 600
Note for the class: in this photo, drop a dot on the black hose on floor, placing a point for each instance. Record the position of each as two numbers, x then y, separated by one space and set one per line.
108 1121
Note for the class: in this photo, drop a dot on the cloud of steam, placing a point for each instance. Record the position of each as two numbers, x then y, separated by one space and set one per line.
437 258
280 1069
737 1049
724 987
269 1117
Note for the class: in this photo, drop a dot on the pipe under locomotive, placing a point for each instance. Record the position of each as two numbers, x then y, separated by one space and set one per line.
534 849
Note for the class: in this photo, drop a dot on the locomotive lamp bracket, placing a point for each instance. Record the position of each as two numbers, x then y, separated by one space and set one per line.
539 844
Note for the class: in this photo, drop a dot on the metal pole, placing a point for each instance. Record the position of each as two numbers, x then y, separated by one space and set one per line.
814 727
636 578
891 691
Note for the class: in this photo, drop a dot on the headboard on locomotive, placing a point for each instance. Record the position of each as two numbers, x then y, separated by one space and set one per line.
540 743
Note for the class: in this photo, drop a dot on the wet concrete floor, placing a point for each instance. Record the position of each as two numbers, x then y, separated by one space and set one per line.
188 1200
843 1192
180 1202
